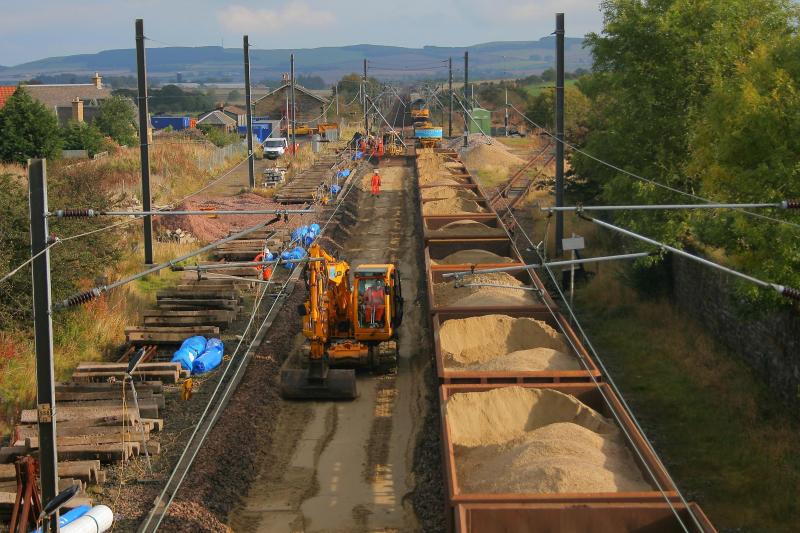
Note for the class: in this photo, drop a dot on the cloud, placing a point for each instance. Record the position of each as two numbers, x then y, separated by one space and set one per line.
291 17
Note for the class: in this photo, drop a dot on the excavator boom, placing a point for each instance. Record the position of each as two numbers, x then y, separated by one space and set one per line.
352 326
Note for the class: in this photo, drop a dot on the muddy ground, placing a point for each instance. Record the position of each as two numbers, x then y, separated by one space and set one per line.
360 465
373 464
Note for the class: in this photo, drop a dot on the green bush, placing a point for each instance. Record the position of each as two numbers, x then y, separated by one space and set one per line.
27 129
82 136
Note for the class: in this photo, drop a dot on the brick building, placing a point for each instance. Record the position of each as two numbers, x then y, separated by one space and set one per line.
309 106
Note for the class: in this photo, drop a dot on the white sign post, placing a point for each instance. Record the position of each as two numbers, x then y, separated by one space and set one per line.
573 243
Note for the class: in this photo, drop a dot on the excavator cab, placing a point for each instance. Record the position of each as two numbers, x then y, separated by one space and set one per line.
349 324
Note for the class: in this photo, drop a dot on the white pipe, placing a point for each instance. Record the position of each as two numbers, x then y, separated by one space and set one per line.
97 520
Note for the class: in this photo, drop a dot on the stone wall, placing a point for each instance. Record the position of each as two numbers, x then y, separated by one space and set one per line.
769 341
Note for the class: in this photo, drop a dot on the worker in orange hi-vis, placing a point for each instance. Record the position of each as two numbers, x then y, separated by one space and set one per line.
376 183
380 150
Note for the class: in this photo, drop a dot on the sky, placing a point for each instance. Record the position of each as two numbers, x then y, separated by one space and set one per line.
45 28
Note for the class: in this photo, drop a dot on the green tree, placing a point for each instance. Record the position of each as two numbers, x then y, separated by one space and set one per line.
576 111
660 68
71 265
746 147
82 136
548 75
218 136
116 119
27 129
234 96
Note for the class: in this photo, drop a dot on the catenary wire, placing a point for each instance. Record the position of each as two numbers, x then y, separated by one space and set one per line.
642 178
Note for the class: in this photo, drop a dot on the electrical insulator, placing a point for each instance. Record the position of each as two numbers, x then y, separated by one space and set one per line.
79 299
789 292
75 213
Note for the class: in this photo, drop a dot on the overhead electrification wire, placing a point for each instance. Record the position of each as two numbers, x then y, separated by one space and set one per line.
161 507
642 178
607 377
29 261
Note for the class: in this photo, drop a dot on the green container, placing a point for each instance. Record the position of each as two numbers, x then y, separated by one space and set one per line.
481 120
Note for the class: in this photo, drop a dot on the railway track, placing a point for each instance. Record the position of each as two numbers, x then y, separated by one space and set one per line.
305 188
99 425
506 509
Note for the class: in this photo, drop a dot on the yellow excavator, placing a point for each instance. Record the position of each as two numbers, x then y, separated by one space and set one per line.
348 327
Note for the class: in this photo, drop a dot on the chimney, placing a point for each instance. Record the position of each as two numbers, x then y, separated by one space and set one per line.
77 110
98 80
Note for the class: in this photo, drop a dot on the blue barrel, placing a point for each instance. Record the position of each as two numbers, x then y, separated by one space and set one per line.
188 352
210 358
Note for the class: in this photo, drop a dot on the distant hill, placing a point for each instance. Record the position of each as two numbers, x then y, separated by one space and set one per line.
214 63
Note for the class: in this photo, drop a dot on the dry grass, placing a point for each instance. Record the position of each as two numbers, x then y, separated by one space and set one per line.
14 170
266 192
92 332
174 169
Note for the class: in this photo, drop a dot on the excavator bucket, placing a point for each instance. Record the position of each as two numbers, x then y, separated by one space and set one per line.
300 384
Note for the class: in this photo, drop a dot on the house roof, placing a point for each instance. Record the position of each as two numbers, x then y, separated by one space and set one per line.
53 96
216 117
297 88
5 93
235 110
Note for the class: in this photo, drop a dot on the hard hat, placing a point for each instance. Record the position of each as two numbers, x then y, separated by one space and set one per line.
377 171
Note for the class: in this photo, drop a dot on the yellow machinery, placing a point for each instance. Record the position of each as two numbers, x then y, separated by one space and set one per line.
302 129
350 326
419 111
393 144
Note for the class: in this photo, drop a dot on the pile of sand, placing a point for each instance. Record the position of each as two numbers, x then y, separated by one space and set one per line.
523 440
472 257
484 155
521 360
443 193
447 294
433 170
445 182
467 227
480 339
452 206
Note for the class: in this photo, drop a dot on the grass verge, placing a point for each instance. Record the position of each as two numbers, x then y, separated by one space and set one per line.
725 438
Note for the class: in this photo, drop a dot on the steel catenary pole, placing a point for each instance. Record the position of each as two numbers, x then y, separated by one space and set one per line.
251 172
43 334
144 141
559 129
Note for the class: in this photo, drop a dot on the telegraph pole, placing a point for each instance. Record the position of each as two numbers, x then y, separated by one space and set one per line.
505 121
43 333
294 109
251 171
466 82
336 95
144 144
366 111
450 85
559 129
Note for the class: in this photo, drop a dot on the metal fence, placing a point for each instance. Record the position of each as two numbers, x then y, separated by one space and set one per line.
216 158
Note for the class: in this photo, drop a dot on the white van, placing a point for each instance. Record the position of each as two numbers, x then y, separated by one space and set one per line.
275 147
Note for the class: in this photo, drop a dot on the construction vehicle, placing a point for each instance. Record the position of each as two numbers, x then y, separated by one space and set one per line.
302 129
348 326
428 135
419 111
393 144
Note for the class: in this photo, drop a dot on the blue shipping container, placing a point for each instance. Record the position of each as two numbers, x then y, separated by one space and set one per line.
177 123
261 131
